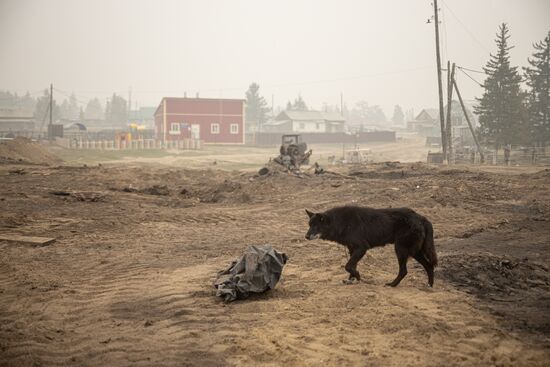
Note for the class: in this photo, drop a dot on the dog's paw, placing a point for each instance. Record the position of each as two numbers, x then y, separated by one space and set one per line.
350 281
427 288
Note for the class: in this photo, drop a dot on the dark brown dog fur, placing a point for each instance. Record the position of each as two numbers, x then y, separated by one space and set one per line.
362 228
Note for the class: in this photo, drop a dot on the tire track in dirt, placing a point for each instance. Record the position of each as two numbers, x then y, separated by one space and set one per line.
132 299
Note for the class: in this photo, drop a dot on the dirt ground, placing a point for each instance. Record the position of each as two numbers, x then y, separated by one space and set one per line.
227 157
23 150
129 280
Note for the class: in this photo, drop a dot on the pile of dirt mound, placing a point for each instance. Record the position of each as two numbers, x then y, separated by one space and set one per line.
23 150
491 275
389 170
544 174
205 191
227 191
516 289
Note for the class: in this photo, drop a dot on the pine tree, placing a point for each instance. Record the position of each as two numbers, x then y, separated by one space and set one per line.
538 80
64 110
375 115
256 106
501 108
398 117
27 102
115 111
358 113
299 104
94 111
74 109
107 113
7 99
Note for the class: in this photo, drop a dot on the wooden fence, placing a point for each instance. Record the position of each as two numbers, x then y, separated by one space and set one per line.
517 158
265 138
145 144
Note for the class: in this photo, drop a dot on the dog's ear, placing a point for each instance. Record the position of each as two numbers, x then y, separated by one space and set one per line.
310 214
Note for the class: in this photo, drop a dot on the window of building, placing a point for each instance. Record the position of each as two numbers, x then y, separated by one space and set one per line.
317 126
302 125
215 128
234 128
175 127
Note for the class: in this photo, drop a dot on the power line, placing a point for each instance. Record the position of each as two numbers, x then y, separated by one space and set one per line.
71 95
79 98
291 84
466 28
445 38
477 71
472 70
374 75
276 85
468 75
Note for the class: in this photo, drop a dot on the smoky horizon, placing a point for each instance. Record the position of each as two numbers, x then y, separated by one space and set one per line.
328 53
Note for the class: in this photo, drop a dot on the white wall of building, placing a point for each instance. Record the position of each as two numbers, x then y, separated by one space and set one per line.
309 126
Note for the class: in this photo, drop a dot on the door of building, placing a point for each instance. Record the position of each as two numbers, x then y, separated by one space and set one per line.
195 131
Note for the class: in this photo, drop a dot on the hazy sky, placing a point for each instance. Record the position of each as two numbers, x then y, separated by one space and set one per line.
379 51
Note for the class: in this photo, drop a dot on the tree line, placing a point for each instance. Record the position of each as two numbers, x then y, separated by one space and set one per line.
114 111
509 114
362 113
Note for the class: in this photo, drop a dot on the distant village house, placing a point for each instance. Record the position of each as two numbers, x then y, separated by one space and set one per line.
427 124
214 121
16 121
306 122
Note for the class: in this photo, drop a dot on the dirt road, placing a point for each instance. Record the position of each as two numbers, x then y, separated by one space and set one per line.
129 280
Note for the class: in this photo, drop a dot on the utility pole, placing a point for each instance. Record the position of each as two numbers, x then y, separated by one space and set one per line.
440 86
481 156
449 127
129 103
50 127
342 104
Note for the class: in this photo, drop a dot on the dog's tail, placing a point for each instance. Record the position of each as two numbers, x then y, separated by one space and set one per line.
428 247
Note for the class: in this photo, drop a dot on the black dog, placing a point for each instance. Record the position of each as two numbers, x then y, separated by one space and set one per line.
361 228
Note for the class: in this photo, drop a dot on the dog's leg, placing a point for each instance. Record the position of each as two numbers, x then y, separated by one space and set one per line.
351 266
429 267
348 257
402 257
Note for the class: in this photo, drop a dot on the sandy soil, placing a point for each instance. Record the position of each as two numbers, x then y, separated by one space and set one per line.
231 157
129 280
23 150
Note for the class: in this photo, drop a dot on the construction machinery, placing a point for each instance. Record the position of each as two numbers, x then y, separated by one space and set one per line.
293 152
